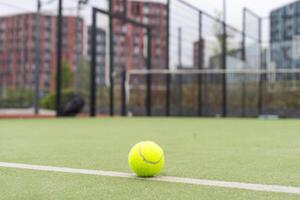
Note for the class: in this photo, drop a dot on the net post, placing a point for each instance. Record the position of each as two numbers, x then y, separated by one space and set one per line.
149 76
59 60
168 94
111 61
224 67
123 93
200 66
93 65
168 77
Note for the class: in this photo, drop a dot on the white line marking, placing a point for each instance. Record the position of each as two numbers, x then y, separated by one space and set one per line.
170 179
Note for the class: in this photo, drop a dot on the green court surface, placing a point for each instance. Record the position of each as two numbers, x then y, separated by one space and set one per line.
238 150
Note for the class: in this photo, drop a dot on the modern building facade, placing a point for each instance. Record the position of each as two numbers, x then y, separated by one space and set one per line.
130 47
21 51
285 36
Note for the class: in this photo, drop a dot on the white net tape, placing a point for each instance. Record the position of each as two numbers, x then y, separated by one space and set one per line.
213 71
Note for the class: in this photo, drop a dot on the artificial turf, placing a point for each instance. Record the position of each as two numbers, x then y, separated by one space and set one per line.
243 150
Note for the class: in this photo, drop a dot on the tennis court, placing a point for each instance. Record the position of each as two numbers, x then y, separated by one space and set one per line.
231 150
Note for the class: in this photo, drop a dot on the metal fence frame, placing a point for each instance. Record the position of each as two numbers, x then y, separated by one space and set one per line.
124 18
223 56
93 87
221 47
262 76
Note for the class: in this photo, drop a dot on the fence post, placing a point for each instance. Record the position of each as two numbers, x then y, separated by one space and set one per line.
180 67
224 67
168 77
93 65
37 61
125 7
149 76
59 59
111 62
244 60
261 76
200 66
123 93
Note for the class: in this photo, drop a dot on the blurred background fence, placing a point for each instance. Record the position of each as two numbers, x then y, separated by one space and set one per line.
184 38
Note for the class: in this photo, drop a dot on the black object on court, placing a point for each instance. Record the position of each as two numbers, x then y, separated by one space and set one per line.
73 106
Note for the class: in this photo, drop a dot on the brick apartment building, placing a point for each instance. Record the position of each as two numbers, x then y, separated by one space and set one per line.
130 41
18 49
101 68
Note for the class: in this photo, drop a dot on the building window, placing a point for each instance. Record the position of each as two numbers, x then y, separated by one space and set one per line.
146 10
146 20
136 9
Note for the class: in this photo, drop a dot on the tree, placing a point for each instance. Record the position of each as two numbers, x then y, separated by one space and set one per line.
66 76
48 101
83 77
219 35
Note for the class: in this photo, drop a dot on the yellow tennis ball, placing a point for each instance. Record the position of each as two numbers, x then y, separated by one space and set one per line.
146 159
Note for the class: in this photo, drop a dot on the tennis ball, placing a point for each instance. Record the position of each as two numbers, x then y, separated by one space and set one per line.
146 159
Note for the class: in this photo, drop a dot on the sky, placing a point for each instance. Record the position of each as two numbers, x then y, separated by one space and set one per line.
234 7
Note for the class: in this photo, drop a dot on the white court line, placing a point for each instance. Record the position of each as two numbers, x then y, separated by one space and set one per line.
170 179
